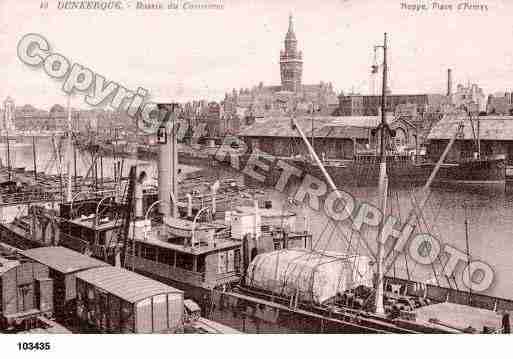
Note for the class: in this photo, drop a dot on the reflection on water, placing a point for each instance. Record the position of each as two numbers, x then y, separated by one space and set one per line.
488 210
47 160
490 222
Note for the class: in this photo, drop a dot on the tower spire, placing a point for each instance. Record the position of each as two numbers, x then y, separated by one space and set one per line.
291 61
290 32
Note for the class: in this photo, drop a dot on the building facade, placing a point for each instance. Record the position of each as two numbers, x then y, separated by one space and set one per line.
8 115
275 100
500 104
495 138
471 96
369 105
332 137
291 62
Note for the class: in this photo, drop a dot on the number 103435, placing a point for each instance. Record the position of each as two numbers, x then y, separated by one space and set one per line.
34 346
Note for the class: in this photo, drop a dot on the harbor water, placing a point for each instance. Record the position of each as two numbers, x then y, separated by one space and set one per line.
488 211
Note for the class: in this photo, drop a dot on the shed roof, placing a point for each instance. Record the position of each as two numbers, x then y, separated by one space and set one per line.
280 127
334 131
129 286
7 264
62 259
490 128
347 126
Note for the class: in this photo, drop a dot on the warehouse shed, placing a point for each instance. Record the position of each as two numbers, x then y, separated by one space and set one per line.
63 264
115 300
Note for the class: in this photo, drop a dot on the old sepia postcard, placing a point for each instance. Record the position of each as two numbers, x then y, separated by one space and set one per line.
267 167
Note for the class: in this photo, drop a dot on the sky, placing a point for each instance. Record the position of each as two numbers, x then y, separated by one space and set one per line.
180 55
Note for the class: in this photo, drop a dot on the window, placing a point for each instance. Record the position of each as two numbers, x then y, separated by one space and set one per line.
227 262
237 260
101 238
184 261
25 297
221 262
201 264
148 252
75 230
166 256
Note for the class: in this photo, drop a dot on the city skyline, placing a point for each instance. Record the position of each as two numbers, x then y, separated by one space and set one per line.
239 54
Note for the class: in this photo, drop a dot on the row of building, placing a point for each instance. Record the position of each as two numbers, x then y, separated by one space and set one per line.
244 107
341 138
29 118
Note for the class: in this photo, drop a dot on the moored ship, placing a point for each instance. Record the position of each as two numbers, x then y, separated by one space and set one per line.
279 301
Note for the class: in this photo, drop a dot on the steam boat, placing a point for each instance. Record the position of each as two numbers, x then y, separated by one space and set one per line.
253 269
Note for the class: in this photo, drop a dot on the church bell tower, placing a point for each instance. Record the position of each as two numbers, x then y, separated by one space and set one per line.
291 62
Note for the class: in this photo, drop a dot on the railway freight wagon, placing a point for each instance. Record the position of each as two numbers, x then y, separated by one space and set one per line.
115 300
25 292
63 265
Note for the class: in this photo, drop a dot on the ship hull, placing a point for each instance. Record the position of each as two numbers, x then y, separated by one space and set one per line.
254 315
253 311
484 172
399 171
491 171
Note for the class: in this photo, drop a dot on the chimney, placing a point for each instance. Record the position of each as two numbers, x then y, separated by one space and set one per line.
449 82
167 161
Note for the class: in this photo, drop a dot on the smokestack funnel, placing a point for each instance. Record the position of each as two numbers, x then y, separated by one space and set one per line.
167 161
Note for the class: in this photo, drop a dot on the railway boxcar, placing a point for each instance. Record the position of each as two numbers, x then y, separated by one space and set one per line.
115 300
63 264
25 292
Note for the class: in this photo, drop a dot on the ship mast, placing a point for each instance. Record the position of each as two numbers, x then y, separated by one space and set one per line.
8 153
69 146
382 186
383 100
